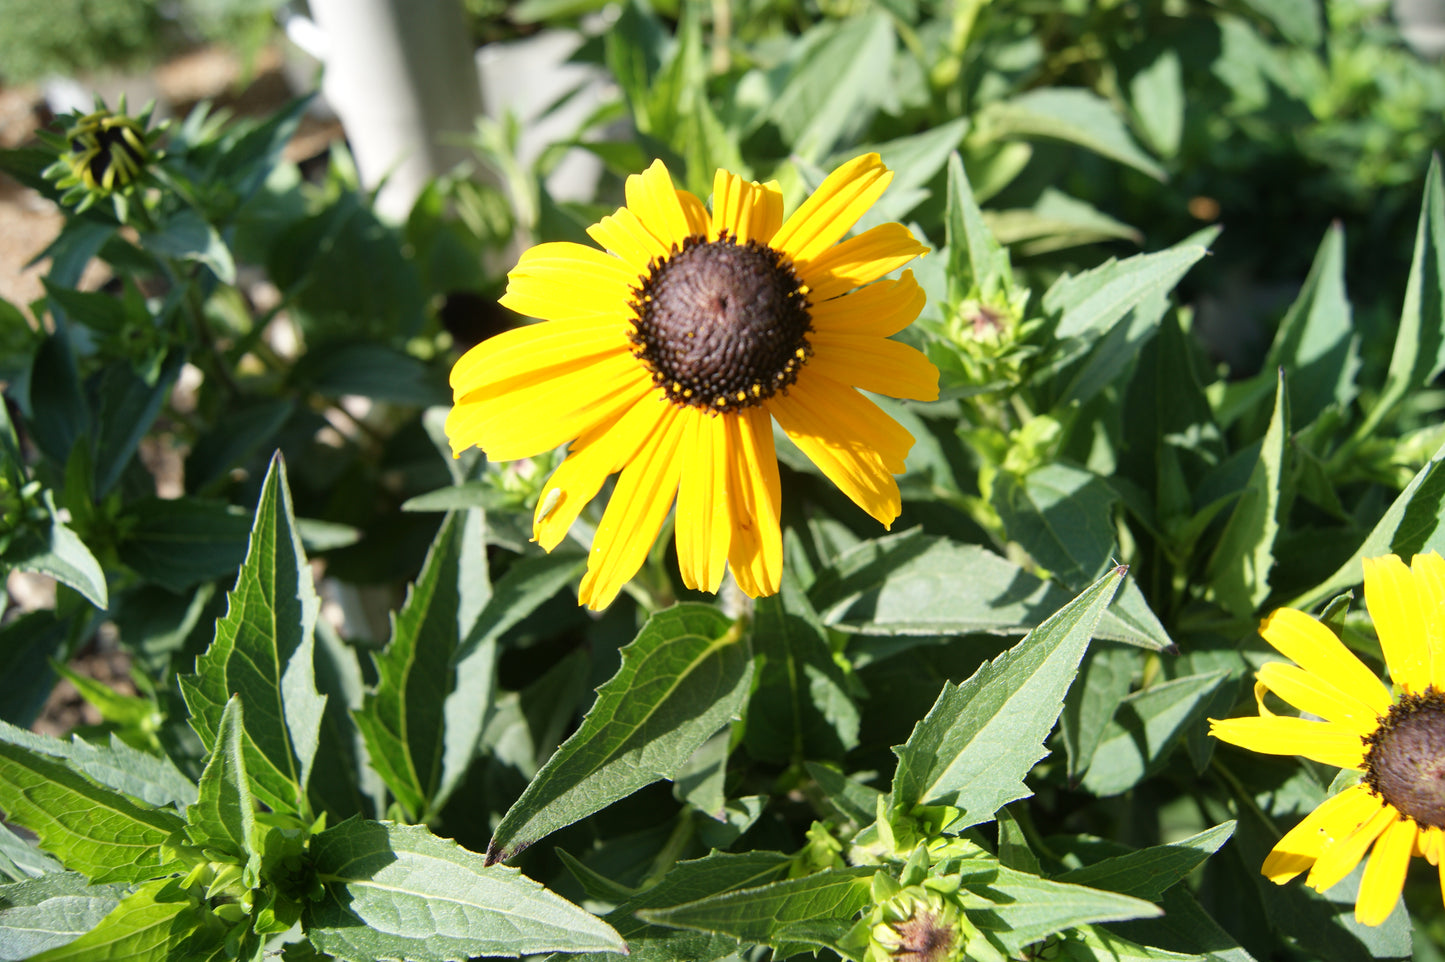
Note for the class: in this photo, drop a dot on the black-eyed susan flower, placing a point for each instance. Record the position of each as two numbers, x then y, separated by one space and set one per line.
102 154
1350 719
667 356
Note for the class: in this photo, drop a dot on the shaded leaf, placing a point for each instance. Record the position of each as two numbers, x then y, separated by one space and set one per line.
50 911
1146 728
1071 114
1149 873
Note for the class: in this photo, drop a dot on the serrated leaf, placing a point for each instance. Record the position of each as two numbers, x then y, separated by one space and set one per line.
915 584
799 706
1316 340
398 891
223 818
1239 568
159 920
690 882
403 719
796 910
686 675
186 236
106 835
1419 354
50 911
976 261
1071 114
1090 303
1149 873
20 860
1184 926
263 651
150 778
1016 908
982 736
1062 516
1145 729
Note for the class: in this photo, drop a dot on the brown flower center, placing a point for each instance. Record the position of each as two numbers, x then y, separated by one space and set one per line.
722 325
922 939
1405 763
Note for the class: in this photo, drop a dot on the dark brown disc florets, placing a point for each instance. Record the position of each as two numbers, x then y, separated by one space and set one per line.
722 325
1405 762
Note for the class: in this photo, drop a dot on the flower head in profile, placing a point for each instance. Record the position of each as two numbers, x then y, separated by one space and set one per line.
1397 741
666 358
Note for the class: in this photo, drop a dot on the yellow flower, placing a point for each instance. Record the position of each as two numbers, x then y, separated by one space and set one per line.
1398 742
667 359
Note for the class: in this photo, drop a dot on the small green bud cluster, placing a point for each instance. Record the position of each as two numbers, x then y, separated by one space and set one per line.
102 155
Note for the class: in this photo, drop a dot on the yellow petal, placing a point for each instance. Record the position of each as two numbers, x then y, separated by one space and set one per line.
536 352
1340 859
653 198
854 444
703 528
1429 571
695 213
595 455
627 237
1315 648
1394 604
1336 818
639 503
745 210
561 281
859 260
833 209
1384 878
874 364
521 421
881 310
756 553
1282 735
1313 695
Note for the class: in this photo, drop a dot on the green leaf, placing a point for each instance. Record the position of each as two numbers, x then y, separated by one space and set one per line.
151 778
403 719
1056 222
1185 926
341 784
982 736
186 236
1090 303
58 414
635 48
27 646
263 652
20 860
1297 20
371 370
689 882
233 437
57 552
1063 517
1013 845
686 675
50 911
914 584
834 83
1419 354
528 584
852 799
223 819
397 891
106 835
978 265
1149 873
1105 677
1409 526
180 542
1239 569
159 920
1015 908
1157 95
1071 114
791 911
1146 728
1317 342
799 707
